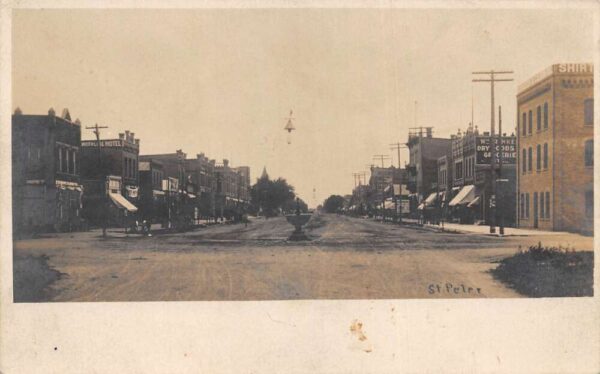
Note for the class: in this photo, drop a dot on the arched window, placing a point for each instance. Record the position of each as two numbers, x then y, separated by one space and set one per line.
589 152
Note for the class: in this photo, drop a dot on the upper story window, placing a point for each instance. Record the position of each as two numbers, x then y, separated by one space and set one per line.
538 160
530 159
589 204
524 124
530 122
589 152
524 166
538 118
545 115
588 112
545 155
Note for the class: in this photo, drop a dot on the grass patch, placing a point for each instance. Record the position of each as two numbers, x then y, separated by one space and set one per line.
549 272
31 278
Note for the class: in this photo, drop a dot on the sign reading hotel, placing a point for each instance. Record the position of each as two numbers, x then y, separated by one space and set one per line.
483 147
103 143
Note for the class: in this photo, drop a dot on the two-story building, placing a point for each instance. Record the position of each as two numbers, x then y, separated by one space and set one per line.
46 183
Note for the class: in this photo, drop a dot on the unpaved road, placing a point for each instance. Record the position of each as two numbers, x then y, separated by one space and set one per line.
348 258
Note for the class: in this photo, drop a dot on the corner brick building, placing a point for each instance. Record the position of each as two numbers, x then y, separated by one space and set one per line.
556 151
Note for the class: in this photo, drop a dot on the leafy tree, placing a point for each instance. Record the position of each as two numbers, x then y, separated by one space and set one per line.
270 197
333 204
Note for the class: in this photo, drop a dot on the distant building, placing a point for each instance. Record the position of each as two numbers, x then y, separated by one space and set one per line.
152 201
556 149
180 188
46 183
232 194
99 167
424 151
202 171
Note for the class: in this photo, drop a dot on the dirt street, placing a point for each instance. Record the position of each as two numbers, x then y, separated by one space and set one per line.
348 258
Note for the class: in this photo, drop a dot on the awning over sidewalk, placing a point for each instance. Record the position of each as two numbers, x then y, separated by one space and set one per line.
122 202
421 206
464 196
474 202
431 199
389 204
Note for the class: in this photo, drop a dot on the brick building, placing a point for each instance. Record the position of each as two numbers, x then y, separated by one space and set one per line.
202 170
469 188
232 193
556 151
152 199
46 186
117 159
424 151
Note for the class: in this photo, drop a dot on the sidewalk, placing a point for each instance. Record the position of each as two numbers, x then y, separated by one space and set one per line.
484 229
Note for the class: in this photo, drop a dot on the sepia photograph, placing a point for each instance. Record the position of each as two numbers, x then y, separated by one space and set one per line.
262 154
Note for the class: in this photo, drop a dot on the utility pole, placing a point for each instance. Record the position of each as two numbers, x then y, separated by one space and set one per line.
501 190
103 190
381 158
493 79
398 146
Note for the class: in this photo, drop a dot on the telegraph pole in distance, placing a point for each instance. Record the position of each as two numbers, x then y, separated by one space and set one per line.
103 191
398 146
501 190
381 158
493 79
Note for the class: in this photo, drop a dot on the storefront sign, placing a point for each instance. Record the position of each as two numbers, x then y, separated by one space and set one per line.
507 145
103 143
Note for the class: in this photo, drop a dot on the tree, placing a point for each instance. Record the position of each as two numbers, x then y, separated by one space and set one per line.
270 197
333 204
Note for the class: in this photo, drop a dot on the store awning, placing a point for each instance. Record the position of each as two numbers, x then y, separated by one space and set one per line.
431 199
464 196
474 202
389 204
420 207
122 202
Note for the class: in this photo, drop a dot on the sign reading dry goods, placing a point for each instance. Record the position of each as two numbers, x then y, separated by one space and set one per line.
508 147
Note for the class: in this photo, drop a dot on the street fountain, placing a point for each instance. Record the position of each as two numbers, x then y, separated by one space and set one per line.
298 220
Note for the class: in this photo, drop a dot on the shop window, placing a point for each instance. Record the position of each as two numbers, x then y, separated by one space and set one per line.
530 122
545 155
524 161
589 204
545 115
542 206
538 118
547 204
530 159
524 124
538 159
588 112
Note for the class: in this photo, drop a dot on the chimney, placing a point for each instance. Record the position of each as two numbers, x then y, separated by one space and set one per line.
121 136
18 112
225 162
77 122
51 112
127 135
486 133
137 142
132 136
429 132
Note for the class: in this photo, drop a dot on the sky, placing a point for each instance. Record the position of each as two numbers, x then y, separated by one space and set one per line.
223 81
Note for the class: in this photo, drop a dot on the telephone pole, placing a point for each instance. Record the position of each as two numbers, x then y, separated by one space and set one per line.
103 191
381 158
501 190
398 146
493 79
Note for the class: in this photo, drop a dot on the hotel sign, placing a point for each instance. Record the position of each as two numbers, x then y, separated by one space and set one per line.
103 143
484 150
